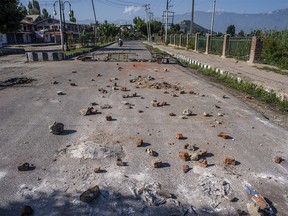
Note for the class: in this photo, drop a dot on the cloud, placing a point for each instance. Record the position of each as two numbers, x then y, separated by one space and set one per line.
131 9
217 10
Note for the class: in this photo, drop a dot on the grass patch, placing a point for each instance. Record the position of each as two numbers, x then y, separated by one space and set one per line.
82 49
248 88
275 70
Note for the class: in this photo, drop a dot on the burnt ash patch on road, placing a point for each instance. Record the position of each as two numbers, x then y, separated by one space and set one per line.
16 81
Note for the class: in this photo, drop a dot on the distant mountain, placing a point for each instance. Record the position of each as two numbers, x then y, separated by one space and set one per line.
276 20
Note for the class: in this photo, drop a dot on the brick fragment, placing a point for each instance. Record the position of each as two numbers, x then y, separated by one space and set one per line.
278 159
179 136
123 88
203 163
223 135
186 146
229 161
184 156
185 168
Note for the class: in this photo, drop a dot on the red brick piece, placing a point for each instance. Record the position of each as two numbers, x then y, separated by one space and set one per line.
278 159
203 163
229 161
184 156
223 135
179 136
185 168
186 146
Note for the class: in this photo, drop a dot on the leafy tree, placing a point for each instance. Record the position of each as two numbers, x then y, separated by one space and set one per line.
256 32
23 9
34 7
140 25
174 29
156 26
10 15
241 33
231 30
45 13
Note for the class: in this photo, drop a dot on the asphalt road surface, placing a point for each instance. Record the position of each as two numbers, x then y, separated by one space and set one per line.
64 164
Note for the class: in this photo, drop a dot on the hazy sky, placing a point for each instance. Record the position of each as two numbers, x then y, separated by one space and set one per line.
127 9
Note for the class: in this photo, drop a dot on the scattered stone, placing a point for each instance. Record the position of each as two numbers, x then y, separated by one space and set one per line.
192 92
218 107
206 114
194 156
278 159
93 104
154 103
187 112
108 118
184 156
185 168
88 111
179 136
123 88
223 135
60 93
56 128
172 114
90 195
156 163
92 79
119 68
183 117
186 146
151 152
103 91
163 103
220 114
119 162
74 71
140 111
174 95
97 169
229 161
26 167
26 211
139 142
182 92
106 106
73 84
203 163
165 70
166 92
202 152
54 82
248 97
98 75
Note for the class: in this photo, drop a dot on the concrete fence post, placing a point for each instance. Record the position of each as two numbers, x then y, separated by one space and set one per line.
208 43
174 39
225 51
256 49
196 41
170 38
187 41
180 40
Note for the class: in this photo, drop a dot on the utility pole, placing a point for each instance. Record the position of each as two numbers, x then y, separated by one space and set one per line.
212 21
61 25
192 18
166 22
147 8
95 28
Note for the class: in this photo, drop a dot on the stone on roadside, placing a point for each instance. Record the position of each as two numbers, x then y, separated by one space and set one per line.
151 152
205 114
74 71
106 106
97 169
223 135
60 93
278 159
187 112
203 163
182 92
229 161
139 142
73 84
88 111
184 156
183 117
119 162
54 82
202 152
123 88
108 118
179 136
156 163
56 128
185 168
194 156
90 195
172 114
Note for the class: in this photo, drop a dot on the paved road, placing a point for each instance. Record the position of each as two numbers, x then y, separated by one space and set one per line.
270 81
65 163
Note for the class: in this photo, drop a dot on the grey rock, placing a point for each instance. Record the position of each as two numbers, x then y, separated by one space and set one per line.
56 128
